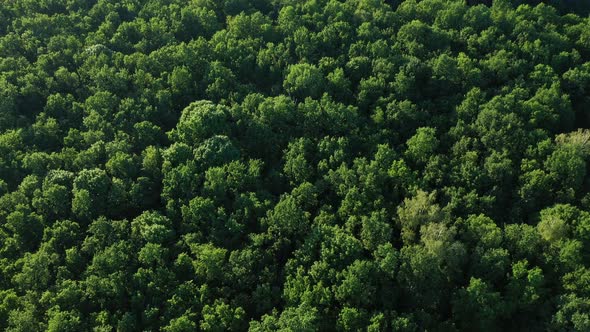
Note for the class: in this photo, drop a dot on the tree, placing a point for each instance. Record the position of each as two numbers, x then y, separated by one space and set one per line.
358 287
216 151
90 191
26 227
422 145
180 324
296 166
63 320
199 121
417 211
566 160
301 318
304 80
152 227
478 304
221 317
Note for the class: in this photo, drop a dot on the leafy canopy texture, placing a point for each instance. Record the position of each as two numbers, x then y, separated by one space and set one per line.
294 165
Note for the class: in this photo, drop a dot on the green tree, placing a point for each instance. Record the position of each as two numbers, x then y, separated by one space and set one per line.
304 80
417 211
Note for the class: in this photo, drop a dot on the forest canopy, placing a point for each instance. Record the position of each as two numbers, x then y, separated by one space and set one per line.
287 165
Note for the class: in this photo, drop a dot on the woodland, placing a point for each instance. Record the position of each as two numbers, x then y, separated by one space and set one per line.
294 165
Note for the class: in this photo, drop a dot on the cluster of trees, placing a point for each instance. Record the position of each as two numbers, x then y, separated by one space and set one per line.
294 165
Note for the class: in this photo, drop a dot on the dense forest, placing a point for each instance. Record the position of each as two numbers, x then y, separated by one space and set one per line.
291 165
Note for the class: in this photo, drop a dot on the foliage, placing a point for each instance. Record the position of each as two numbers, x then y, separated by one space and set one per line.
280 165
